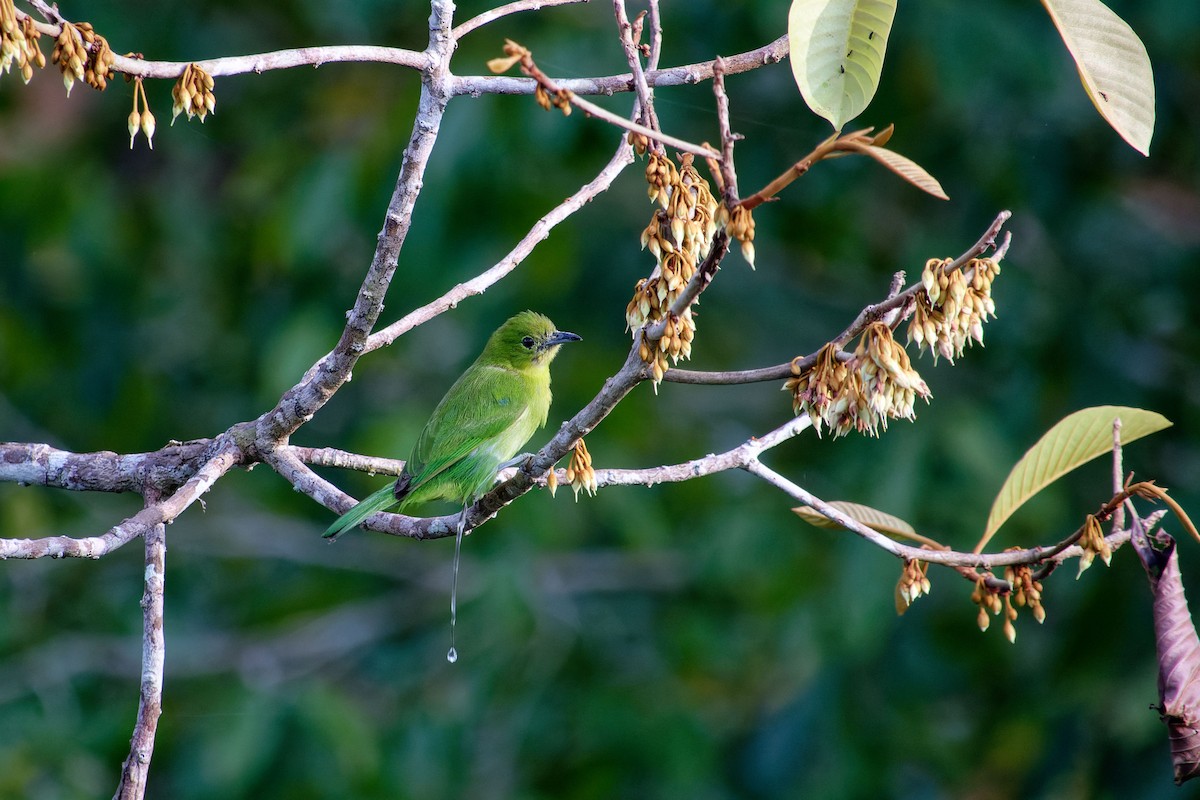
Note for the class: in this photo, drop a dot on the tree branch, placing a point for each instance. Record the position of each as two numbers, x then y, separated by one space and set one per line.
475 85
332 457
259 63
869 314
104 471
522 480
141 747
949 558
226 456
299 403
711 464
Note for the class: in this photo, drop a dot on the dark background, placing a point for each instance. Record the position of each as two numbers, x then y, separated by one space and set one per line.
693 640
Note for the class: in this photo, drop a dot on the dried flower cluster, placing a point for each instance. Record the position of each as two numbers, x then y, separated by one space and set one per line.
193 94
18 42
1094 544
83 55
913 583
952 306
579 471
858 392
679 237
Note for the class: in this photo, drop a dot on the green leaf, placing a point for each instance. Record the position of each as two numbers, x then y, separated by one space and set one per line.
837 49
872 518
1075 440
1113 65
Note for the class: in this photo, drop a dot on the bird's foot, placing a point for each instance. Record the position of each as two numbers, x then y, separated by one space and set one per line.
515 460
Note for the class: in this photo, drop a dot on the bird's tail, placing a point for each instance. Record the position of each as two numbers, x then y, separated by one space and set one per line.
382 500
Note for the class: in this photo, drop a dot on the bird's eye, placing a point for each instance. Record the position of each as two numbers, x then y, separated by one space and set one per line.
528 342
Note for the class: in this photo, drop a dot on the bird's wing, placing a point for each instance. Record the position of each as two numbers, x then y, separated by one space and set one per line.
478 409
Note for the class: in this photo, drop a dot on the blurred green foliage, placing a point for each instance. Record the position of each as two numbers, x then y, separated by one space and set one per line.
681 641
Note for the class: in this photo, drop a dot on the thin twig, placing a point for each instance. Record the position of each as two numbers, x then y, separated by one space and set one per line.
505 10
950 558
656 36
832 147
555 89
729 190
710 464
665 138
1118 474
622 158
684 75
633 57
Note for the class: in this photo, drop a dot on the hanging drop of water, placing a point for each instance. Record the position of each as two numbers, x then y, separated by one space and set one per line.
452 656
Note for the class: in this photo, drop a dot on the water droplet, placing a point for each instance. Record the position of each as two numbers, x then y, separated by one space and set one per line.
452 656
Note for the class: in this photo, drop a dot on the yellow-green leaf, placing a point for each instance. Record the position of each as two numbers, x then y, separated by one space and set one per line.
1075 440
1113 65
872 518
837 48
907 169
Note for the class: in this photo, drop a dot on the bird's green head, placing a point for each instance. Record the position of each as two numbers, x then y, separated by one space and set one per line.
525 340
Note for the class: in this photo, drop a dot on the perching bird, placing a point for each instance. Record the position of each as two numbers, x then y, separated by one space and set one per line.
484 419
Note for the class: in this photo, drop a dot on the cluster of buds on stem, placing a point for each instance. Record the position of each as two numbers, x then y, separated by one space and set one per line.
1026 591
579 471
913 583
1093 544
858 392
83 55
952 305
546 97
987 600
18 42
193 94
140 118
679 236
739 223
560 99
640 142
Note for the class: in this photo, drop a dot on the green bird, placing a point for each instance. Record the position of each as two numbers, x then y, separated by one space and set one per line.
481 423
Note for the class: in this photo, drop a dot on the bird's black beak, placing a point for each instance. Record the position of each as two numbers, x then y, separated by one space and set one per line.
560 337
